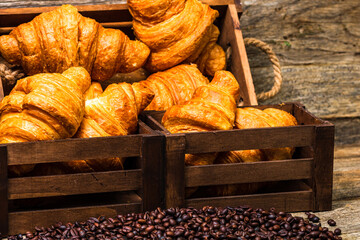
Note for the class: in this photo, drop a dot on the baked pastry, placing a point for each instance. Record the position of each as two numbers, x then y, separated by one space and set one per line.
174 86
178 31
243 156
62 38
111 113
269 117
212 107
43 107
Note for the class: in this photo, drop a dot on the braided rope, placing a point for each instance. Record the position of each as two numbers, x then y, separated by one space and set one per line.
9 76
275 64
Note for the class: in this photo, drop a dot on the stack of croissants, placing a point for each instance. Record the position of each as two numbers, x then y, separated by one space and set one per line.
66 56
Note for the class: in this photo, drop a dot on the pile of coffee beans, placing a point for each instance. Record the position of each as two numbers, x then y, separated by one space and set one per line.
190 223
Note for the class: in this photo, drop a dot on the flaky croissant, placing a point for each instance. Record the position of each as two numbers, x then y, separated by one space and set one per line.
212 107
178 31
173 86
43 107
113 112
269 117
62 38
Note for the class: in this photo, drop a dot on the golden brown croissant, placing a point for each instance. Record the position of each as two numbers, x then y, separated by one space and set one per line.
212 107
111 113
174 86
62 38
44 107
254 118
269 117
254 155
178 31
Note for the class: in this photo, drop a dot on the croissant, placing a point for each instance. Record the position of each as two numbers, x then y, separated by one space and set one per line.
173 86
254 118
178 31
43 107
62 38
113 112
212 107
269 117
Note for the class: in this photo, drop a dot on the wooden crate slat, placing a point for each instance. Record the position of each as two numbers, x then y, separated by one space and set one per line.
231 36
20 222
152 172
323 167
73 149
220 141
71 184
219 174
283 201
4 224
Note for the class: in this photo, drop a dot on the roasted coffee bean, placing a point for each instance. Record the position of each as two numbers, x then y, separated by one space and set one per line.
337 231
331 222
190 223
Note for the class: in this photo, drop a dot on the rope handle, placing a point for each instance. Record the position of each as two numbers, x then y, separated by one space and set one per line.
275 64
8 74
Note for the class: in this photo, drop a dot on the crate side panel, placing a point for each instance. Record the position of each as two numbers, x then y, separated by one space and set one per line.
219 174
20 222
73 149
285 201
71 184
260 138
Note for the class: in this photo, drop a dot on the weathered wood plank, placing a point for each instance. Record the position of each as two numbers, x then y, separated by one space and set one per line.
328 91
220 141
73 149
219 174
318 45
82 183
306 32
20 222
346 172
346 213
347 130
284 201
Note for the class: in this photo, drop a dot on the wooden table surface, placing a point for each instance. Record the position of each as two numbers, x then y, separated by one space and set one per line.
318 45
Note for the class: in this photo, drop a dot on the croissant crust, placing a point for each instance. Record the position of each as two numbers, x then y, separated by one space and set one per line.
44 107
62 38
212 107
177 31
113 112
174 86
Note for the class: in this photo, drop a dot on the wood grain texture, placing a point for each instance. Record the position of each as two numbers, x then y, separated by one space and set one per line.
4 206
283 201
318 45
23 221
82 183
152 172
175 171
346 213
293 169
231 35
73 149
323 167
347 172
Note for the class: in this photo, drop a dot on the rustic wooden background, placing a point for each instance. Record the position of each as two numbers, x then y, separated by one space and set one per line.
318 45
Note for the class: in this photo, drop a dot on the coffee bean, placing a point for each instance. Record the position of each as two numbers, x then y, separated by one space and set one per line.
331 222
191 223
337 231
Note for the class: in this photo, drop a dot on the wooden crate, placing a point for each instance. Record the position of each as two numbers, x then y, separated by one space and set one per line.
304 182
118 16
76 197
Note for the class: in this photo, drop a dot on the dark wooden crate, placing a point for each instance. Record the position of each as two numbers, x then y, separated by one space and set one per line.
76 197
118 16
308 176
